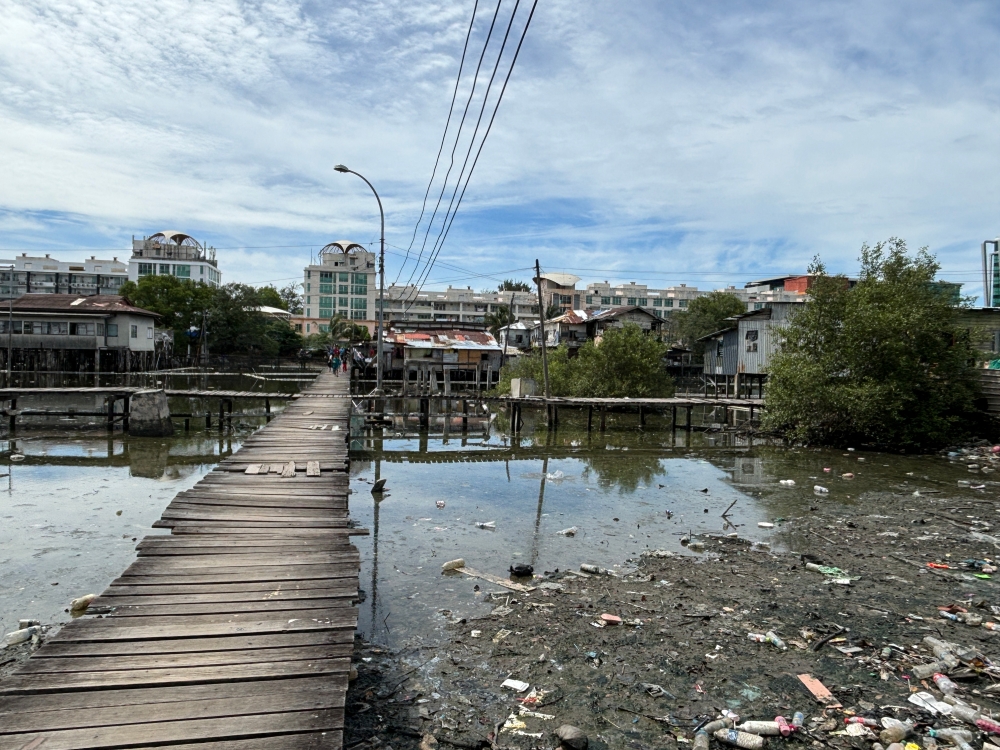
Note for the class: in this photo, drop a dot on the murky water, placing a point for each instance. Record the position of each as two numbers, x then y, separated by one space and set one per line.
625 490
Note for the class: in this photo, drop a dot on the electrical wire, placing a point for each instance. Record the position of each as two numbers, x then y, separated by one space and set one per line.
458 136
482 143
444 135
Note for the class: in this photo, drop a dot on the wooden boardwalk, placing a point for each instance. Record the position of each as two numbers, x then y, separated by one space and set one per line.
122 391
235 631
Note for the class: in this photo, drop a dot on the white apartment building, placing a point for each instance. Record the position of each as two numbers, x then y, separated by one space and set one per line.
661 302
43 274
343 282
173 253
408 303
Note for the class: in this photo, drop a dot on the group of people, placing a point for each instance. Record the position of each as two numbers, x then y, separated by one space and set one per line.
337 360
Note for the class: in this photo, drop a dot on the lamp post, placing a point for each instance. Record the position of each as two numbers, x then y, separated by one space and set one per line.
381 282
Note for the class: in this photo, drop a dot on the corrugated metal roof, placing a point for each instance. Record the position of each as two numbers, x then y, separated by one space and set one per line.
479 340
75 303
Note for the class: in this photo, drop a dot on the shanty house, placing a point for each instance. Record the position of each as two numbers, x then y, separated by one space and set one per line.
736 358
440 360
618 317
103 333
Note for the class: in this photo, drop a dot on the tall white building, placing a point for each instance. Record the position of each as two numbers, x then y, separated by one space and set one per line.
173 253
342 282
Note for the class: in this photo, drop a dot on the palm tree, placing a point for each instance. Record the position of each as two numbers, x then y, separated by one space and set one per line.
340 328
500 318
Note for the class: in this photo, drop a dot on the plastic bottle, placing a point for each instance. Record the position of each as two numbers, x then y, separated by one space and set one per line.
763 728
940 649
798 720
945 685
923 671
991 626
757 637
988 725
20 636
774 640
966 713
959 737
861 720
700 740
595 570
714 726
740 739
949 616
783 726
895 730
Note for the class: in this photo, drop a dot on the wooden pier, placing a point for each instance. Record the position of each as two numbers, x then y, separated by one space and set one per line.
234 631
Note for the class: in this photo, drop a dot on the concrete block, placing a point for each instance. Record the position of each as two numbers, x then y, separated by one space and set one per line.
149 414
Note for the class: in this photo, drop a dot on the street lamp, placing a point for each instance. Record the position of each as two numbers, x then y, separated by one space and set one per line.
381 282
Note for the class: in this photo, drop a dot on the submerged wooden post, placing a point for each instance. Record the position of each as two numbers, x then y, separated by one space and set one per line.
642 417
12 418
111 413
673 417
222 415
604 419
590 418
126 408
687 424
465 415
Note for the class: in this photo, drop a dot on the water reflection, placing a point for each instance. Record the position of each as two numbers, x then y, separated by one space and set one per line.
626 490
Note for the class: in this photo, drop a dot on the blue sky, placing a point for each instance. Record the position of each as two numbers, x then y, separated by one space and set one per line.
707 143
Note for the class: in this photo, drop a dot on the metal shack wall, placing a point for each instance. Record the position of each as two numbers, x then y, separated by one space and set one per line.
755 354
727 363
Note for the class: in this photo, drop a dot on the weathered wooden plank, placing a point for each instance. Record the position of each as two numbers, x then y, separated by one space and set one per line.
172 732
183 609
317 697
253 468
312 468
100 663
289 471
183 645
72 681
195 626
347 590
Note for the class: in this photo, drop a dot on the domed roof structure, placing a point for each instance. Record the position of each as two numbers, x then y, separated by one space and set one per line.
342 246
173 237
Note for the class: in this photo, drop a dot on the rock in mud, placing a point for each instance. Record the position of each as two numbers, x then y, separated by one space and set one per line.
571 737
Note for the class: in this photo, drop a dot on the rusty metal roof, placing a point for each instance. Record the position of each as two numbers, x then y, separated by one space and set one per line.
450 339
75 303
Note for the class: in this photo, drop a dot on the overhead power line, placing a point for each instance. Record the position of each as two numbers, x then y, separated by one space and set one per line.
444 135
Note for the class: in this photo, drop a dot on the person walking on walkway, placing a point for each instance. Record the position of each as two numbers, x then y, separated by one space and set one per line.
343 356
335 362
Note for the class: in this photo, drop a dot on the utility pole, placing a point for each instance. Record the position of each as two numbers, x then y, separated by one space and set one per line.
541 324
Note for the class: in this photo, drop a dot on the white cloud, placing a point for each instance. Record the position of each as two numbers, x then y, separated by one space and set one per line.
699 143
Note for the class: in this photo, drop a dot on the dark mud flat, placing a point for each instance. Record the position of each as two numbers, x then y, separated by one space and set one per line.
685 631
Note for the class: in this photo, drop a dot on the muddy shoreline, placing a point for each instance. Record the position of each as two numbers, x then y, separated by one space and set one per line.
685 632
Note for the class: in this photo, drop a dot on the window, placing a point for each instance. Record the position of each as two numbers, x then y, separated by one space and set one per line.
81 329
590 299
308 315
325 302
164 269
359 289
344 277
100 329
357 314
657 303
617 300
133 331
683 303
631 300
298 327
147 269
308 287
326 288
183 272
718 349
751 340
359 303
309 274
112 329
325 276
359 278
16 326
324 328
643 301
342 302
668 303
149 332
605 300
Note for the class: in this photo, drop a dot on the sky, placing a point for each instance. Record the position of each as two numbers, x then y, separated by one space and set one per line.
705 143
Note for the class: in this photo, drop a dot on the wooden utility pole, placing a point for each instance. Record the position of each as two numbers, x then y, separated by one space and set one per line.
541 324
